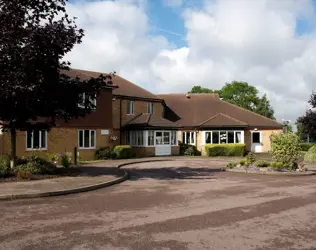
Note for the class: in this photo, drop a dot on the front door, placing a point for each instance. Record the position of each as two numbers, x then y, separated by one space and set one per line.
163 145
256 142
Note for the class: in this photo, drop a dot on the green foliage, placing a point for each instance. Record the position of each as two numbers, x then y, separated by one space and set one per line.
4 166
187 149
37 167
243 162
199 89
231 165
306 146
123 152
308 121
277 166
225 149
285 148
104 153
310 156
261 164
251 157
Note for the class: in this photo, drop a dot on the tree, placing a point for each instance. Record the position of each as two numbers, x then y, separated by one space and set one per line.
35 87
243 95
308 121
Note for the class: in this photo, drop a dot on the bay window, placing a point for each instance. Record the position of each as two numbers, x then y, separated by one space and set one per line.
135 138
223 137
36 139
87 139
151 138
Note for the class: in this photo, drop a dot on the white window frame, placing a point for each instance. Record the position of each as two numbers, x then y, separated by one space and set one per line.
40 140
176 137
150 107
92 99
130 107
135 134
219 140
186 138
95 139
130 134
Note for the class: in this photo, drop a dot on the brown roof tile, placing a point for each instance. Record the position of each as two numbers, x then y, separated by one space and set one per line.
222 120
149 120
195 109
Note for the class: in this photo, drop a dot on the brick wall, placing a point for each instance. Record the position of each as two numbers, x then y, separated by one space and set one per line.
265 134
59 140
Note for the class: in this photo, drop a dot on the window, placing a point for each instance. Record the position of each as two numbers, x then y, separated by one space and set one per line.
159 138
36 139
151 138
166 137
217 137
174 140
188 137
135 138
130 107
85 98
87 139
150 108
255 137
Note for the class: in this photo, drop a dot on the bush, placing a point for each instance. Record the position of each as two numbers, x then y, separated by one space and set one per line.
261 164
123 152
36 165
310 156
231 165
285 148
188 149
104 153
306 146
4 166
251 157
225 149
277 165
243 162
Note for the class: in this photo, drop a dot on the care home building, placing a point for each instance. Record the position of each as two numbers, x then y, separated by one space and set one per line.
152 124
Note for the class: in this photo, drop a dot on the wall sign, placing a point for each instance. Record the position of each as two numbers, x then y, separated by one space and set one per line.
105 132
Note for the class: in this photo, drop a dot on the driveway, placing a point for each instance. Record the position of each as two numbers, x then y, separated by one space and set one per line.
187 203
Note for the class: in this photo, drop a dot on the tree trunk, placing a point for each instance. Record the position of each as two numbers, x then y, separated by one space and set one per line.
13 147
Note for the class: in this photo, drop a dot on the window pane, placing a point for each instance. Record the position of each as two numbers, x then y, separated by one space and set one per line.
166 137
207 137
86 140
151 138
188 138
192 140
174 138
215 138
132 105
139 138
223 137
92 138
183 138
128 108
230 136
238 137
29 139
36 139
128 138
256 137
80 138
159 138
43 139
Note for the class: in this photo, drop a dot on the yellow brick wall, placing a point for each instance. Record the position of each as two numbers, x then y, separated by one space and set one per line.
139 107
265 138
59 140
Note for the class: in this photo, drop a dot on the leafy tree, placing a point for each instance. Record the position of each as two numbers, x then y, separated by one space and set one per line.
243 95
308 121
36 89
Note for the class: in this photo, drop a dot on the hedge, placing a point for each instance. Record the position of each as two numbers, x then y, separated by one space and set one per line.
123 151
310 156
306 146
225 149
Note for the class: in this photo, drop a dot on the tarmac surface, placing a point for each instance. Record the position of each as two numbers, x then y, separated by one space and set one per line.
187 203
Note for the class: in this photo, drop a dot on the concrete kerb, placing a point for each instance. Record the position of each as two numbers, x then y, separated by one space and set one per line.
271 173
118 180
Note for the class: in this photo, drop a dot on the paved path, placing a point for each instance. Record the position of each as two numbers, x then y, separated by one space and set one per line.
184 204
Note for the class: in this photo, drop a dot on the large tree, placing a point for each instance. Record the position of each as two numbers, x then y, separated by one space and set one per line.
35 87
243 95
308 121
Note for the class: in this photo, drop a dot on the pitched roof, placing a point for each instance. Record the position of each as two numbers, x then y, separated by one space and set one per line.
149 120
204 110
125 87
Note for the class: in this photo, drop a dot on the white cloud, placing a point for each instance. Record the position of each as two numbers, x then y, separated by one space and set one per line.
173 3
253 41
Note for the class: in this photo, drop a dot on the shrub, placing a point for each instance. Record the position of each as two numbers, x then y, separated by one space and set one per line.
285 148
4 166
310 156
243 162
123 151
306 146
231 165
225 149
187 149
104 153
261 164
277 165
251 157
37 165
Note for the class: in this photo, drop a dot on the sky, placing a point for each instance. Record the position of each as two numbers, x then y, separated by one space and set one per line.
168 46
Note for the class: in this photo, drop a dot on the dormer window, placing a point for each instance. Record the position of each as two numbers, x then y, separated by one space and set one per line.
150 108
83 98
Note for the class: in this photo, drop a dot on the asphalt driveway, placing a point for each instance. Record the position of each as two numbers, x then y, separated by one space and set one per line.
183 204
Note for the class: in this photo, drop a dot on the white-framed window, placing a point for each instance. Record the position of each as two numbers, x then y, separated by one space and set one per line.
130 107
135 138
151 138
188 137
87 139
150 108
174 138
36 139
223 137
84 97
